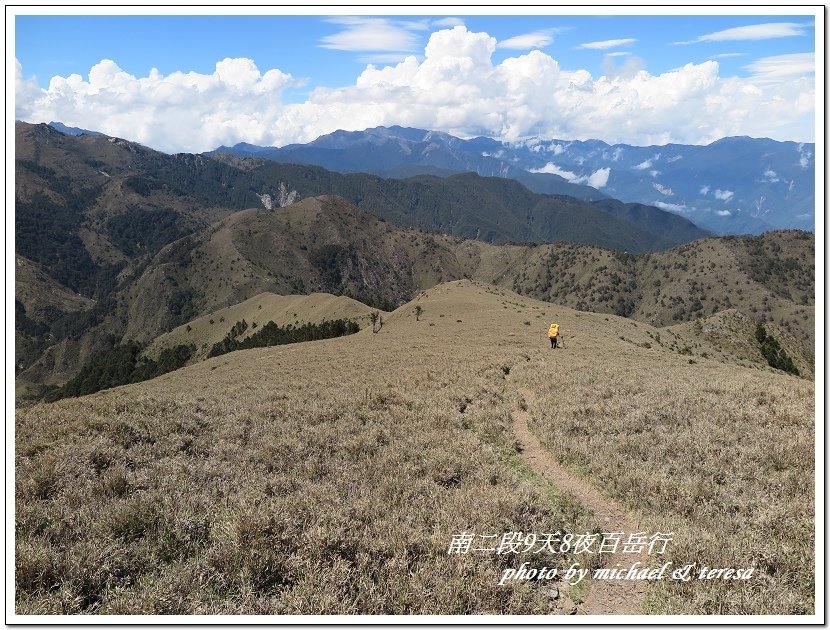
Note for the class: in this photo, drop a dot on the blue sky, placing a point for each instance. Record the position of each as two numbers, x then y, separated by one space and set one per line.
62 45
322 64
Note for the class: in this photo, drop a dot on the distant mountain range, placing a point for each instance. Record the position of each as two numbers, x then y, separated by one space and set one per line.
492 209
73 131
732 186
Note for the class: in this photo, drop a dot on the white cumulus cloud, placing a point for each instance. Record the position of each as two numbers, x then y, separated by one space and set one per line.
646 164
176 112
671 207
597 179
724 195
453 86
723 213
553 169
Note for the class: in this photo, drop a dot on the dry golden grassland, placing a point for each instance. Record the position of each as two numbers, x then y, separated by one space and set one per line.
324 477
723 456
330 476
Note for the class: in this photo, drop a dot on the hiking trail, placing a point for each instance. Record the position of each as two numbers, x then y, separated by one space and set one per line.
604 597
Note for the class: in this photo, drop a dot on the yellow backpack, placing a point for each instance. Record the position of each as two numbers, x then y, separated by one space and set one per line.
553 331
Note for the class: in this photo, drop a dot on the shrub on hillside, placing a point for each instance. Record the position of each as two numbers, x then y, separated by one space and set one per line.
773 352
121 365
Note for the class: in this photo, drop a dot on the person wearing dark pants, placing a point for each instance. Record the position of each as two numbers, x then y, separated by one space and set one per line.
553 335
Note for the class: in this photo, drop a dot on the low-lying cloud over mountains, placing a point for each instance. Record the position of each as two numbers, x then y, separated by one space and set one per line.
733 186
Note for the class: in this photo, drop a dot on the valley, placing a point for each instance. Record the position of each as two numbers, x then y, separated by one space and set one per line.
327 245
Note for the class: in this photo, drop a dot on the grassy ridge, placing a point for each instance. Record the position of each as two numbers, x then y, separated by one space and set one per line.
331 477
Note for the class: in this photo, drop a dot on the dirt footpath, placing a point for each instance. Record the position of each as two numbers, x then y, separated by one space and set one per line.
604 597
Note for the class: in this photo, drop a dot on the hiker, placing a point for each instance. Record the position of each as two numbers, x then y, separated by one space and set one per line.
553 335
